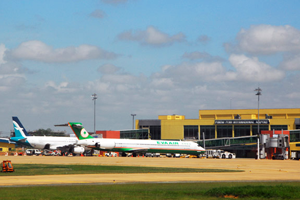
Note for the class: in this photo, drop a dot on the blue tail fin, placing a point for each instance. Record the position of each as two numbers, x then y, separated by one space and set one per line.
20 131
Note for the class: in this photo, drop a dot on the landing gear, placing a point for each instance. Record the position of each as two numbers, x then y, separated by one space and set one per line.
123 154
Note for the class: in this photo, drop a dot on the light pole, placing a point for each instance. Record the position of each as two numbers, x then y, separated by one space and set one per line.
133 120
258 90
94 99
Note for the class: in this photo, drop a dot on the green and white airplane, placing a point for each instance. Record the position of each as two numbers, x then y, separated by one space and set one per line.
134 145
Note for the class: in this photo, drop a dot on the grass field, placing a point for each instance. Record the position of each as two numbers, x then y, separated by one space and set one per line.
43 169
209 191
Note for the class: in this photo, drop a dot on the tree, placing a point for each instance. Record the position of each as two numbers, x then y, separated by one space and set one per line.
48 132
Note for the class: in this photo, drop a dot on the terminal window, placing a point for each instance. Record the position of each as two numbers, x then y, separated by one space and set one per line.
191 132
261 128
224 131
209 132
241 131
155 132
279 127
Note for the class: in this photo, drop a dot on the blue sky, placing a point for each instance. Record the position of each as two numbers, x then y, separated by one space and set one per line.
145 57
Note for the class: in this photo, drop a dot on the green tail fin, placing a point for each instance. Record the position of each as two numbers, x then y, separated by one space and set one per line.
79 131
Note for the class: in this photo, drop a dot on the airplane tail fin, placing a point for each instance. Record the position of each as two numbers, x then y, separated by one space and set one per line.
20 131
80 131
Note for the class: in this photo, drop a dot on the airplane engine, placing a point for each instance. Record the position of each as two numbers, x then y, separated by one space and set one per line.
105 144
78 150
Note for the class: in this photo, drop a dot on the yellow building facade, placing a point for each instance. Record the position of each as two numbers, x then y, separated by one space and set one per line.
5 147
224 123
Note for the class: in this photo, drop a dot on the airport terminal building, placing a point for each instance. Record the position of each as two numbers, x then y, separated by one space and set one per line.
221 123
232 130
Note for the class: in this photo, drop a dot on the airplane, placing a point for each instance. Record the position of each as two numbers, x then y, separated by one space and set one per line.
65 144
134 145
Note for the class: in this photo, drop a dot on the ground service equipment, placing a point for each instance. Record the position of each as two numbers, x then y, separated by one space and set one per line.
217 153
7 166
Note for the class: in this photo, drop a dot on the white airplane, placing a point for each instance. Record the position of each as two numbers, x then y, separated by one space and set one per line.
65 144
133 145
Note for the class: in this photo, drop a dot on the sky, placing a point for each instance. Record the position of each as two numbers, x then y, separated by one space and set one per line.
142 57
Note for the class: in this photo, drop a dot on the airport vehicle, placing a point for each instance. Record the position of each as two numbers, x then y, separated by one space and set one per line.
174 155
47 152
152 154
217 153
295 155
133 145
31 152
111 154
7 166
65 144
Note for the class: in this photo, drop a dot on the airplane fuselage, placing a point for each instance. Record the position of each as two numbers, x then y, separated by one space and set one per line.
42 142
153 146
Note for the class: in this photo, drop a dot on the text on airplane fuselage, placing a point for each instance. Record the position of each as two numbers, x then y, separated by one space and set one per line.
165 142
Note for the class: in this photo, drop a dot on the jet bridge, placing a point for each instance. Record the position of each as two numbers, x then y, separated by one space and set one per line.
221 143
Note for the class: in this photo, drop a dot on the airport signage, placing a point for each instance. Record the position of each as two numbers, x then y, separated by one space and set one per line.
239 122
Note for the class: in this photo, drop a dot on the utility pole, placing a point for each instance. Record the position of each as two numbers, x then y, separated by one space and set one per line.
94 99
258 90
133 120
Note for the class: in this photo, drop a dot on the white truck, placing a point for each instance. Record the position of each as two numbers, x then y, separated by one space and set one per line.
217 153
33 152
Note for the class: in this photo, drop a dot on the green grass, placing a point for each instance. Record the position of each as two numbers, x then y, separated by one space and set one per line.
186 191
267 192
43 169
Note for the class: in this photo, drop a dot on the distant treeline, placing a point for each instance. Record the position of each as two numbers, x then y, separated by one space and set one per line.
47 132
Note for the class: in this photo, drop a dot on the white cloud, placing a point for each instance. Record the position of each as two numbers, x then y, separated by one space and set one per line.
246 70
291 62
63 87
196 55
2 51
39 51
152 36
10 72
268 39
108 69
251 69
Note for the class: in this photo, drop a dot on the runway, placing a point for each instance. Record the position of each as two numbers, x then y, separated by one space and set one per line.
254 170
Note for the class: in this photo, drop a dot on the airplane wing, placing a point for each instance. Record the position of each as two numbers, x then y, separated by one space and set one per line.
5 140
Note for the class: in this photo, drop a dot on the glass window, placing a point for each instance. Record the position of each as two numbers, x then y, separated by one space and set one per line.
134 134
224 131
261 127
297 126
155 132
191 132
241 130
278 127
209 132
294 136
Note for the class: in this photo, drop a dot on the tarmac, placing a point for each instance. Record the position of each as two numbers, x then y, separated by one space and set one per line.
254 170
